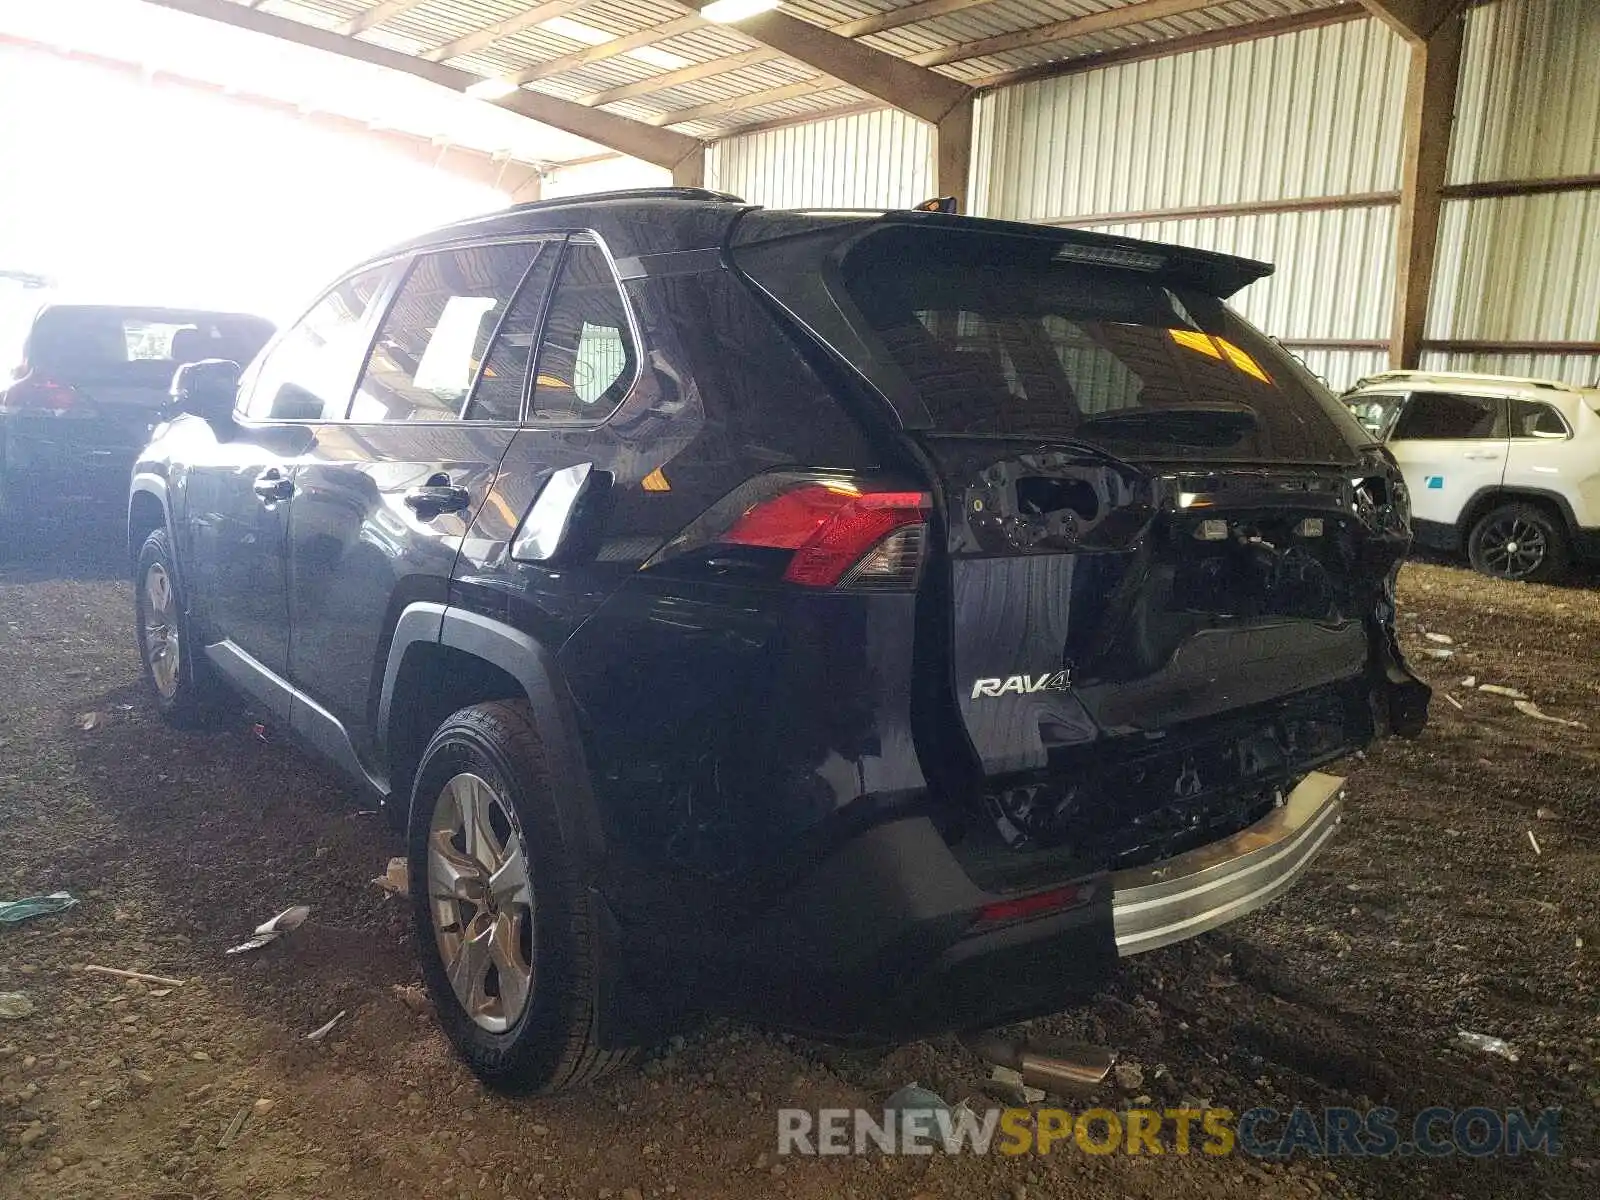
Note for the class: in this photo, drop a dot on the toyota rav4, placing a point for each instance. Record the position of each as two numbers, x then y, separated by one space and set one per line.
875 623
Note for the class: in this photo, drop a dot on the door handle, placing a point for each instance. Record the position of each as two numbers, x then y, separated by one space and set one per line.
1483 455
272 486
437 496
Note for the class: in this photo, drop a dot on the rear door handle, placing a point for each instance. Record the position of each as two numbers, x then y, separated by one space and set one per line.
438 496
273 486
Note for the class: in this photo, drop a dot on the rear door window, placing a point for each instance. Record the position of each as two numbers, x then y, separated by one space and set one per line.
1447 416
436 333
997 342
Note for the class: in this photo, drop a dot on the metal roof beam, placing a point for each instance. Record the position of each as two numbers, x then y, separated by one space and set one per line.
893 80
1060 31
375 16
605 50
689 74
909 15
479 38
1415 20
721 108
663 147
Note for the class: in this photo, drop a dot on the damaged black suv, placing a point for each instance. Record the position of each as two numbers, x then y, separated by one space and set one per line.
875 623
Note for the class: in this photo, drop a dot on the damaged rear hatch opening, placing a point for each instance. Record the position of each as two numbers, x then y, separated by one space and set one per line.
1161 588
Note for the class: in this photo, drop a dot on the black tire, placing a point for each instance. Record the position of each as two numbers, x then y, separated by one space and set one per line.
1540 551
191 698
550 1044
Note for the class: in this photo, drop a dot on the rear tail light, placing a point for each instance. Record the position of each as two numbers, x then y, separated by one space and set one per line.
812 531
38 395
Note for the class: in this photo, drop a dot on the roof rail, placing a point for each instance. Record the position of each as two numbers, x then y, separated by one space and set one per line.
649 193
1554 385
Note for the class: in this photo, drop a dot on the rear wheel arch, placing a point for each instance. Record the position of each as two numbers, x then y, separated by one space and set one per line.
443 659
1487 499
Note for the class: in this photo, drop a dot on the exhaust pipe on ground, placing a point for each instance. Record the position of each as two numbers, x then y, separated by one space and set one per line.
1070 1067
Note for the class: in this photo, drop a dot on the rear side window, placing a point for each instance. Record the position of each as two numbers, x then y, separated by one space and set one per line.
586 357
307 376
998 341
435 334
1445 416
1531 419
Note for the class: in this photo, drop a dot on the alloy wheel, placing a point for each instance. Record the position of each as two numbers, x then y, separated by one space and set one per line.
161 630
1513 547
481 900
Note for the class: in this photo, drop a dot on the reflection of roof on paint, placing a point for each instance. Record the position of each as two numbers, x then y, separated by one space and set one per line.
1564 396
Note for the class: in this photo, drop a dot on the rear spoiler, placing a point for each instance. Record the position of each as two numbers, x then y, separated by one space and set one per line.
1220 275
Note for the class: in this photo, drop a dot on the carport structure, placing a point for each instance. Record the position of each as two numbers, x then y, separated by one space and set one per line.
1426 173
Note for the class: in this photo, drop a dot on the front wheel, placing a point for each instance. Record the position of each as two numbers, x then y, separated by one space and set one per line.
1521 542
174 671
504 925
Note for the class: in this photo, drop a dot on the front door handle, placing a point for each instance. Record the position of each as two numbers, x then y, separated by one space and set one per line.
273 486
438 496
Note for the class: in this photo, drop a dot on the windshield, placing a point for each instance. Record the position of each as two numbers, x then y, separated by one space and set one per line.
997 341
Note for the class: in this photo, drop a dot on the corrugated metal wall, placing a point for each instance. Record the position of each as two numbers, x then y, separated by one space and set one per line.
1315 113
1524 268
881 159
1300 116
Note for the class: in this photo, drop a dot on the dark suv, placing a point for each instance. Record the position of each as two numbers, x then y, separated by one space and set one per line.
874 623
91 383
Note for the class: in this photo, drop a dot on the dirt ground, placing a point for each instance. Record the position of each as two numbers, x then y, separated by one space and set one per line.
1431 912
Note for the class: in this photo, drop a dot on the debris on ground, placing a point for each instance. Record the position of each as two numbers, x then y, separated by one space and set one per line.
1545 814
89 721
322 1031
1130 1076
1459 706
915 1100
260 732
235 1127
14 1006
1529 709
415 997
1442 638
270 931
396 878
1470 682
139 975
1486 1043
1011 1081
1440 654
12 911
1495 689
1534 842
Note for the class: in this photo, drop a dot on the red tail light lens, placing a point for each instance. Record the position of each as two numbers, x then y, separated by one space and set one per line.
38 395
834 528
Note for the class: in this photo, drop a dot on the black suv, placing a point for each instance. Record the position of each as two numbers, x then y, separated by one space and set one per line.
874 623
92 382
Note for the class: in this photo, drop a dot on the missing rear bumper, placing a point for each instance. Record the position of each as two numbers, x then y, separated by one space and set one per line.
1169 901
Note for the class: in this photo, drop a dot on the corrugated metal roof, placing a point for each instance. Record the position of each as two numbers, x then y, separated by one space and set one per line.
434 23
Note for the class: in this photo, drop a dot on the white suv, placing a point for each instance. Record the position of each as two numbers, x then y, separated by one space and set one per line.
1510 468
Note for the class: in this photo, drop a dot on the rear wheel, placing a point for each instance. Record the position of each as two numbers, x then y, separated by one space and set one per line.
503 924
174 670
1521 542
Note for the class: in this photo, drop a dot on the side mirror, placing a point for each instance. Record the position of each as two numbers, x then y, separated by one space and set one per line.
206 389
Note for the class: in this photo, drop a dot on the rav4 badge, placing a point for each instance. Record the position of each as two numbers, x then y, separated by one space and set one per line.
1022 685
